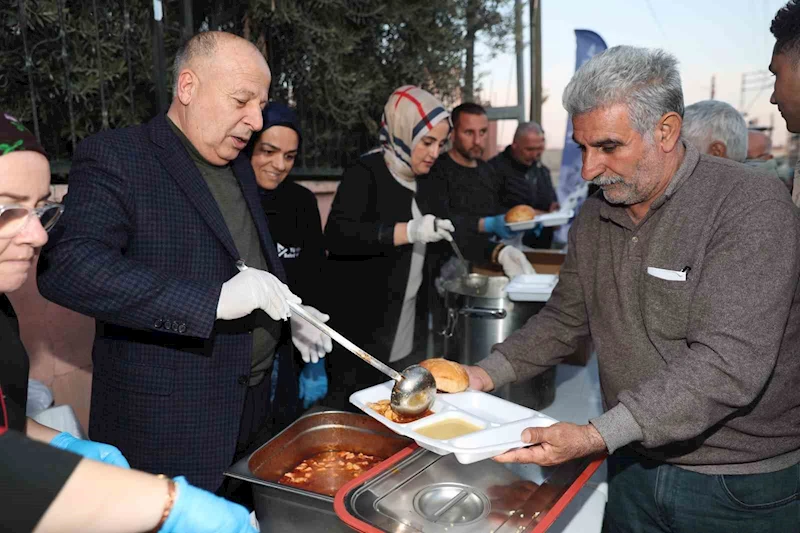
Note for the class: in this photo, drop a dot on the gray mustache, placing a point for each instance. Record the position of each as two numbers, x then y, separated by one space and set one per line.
606 180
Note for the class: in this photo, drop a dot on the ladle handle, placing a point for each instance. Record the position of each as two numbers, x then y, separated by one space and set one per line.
322 326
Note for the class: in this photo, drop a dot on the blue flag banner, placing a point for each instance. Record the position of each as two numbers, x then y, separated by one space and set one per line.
571 187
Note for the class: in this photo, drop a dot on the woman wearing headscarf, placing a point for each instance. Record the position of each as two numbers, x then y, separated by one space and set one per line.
386 237
296 228
47 485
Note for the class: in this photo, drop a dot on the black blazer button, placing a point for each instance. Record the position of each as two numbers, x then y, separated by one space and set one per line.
182 328
243 380
158 323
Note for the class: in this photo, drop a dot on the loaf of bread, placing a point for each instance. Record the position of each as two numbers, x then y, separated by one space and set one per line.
449 375
520 213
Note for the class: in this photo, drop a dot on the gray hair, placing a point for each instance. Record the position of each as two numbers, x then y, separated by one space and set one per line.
711 120
527 127
202 44
646 81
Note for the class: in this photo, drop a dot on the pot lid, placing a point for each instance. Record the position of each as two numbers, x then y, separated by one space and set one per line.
419 491
478 285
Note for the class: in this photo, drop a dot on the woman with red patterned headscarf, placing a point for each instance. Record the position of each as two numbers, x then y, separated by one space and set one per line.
386 236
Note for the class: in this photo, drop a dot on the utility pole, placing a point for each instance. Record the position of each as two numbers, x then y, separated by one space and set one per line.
187 29
741 98
713 85
519 49
159 59
536 60
514 112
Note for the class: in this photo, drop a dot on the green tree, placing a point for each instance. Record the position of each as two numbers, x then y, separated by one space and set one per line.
101 66
336 60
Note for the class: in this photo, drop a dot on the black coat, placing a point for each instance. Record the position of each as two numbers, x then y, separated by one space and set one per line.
14 367
367 273
542 192
143 248
296 228
34 472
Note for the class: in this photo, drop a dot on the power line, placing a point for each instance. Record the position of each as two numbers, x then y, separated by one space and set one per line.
655 19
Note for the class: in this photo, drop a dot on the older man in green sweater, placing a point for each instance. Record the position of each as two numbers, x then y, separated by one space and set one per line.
684 271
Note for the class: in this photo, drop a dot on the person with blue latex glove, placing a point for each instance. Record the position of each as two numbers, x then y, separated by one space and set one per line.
105 453
313 383
497 225
196 510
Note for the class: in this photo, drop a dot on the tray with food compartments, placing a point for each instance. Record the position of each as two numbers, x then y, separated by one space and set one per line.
473 425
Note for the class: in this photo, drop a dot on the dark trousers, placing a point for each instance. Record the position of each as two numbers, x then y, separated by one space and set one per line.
256 422
649 497
255 428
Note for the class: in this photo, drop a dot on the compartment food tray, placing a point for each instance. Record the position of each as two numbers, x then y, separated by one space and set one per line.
558 218
502 422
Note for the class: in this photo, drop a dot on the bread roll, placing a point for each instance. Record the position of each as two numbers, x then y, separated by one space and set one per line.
520 213
449 375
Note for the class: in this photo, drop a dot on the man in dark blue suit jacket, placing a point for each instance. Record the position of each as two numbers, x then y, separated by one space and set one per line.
156 219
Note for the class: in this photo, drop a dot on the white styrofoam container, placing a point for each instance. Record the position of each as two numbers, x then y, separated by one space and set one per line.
502 422
557 218
531 287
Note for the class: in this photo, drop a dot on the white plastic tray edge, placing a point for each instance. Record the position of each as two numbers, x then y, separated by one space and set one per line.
464 455
558 218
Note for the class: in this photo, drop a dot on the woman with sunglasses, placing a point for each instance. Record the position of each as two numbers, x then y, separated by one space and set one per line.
52 489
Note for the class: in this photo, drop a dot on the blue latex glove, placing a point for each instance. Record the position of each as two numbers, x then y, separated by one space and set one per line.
536 231
198 511
313 383
497 225
105 453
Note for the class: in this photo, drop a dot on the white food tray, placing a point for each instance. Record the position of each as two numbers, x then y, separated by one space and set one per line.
503 422
558 218
531 287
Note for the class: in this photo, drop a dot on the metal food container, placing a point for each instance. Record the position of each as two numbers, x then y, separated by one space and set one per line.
418 491
284 508
480 315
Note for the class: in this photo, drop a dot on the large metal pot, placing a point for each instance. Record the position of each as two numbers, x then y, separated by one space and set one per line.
480 315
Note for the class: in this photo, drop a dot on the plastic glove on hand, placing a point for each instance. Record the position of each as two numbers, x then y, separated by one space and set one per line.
105 453
310 341
198 511
313 383
429 229
497 225
535 231
253 289
514 262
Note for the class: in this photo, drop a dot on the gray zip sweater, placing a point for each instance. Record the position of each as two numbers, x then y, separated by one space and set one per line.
702 373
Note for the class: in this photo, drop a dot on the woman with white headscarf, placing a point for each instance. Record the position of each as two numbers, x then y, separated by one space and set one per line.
386 236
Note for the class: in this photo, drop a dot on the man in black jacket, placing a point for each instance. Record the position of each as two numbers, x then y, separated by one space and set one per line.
474 190
522 160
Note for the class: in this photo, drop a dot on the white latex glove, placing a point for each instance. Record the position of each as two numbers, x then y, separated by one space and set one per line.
429 229
514 262
310 341
253 289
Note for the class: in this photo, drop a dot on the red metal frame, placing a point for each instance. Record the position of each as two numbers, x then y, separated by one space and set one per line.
4 427
551 515
338 501
364 527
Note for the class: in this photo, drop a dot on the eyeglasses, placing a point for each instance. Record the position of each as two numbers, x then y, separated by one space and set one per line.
14 218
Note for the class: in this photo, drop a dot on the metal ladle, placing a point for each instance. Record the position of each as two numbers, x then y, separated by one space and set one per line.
414 390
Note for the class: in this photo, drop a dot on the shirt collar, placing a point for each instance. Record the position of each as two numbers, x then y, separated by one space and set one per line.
691 157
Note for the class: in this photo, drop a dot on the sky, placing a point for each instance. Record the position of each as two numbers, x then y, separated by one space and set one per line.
722 38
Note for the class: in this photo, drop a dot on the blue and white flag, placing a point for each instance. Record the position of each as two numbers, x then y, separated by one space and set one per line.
571 187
